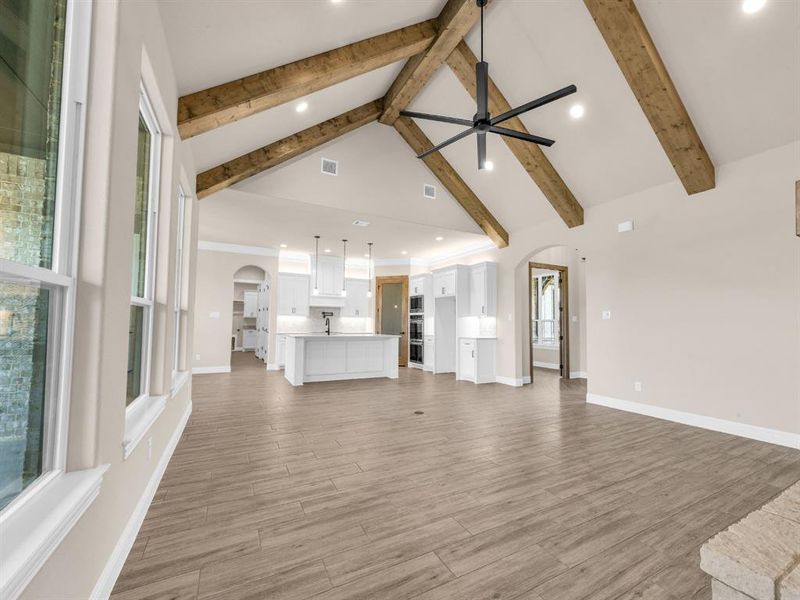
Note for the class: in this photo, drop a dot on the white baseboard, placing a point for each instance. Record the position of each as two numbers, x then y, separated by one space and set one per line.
546 365
206 370
762 434
578 375
273 367
513 381
105 583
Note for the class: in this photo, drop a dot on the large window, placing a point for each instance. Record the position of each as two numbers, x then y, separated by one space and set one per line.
145 217
544 310
40 150
179 262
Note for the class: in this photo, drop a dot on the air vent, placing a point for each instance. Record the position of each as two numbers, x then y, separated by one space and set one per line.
330 167
360 223
429 191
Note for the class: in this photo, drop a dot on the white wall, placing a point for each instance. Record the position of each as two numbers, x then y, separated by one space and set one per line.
127 46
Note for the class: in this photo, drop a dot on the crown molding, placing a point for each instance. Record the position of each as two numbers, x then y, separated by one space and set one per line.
237 248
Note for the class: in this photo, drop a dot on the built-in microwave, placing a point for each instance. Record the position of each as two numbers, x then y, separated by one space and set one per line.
416 305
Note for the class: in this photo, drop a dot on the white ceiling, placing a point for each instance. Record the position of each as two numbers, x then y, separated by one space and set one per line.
273 221
738 75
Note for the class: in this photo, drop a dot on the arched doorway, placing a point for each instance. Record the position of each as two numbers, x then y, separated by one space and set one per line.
249 326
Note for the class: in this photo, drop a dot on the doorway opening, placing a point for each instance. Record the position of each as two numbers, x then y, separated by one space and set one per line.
548 300
250 317
391 310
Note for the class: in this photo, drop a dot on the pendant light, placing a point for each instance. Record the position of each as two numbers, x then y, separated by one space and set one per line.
315 291
344 267
369 271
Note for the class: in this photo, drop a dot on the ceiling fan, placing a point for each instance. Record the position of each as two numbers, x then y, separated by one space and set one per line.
483 121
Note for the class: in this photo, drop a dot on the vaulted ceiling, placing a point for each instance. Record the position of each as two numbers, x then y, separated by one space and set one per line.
736 74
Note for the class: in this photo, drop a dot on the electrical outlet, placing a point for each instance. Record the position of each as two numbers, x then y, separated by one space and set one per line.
637 386
606 315
574 318
149 448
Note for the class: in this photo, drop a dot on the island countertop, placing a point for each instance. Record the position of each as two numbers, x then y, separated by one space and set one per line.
350 336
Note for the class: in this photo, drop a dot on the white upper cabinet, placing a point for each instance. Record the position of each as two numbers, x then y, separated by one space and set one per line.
250 304
483 290
331 275
356 304
416 286
293 294
444 283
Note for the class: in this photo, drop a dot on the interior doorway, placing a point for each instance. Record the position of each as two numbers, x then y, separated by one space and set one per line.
250 306
391 310
548 301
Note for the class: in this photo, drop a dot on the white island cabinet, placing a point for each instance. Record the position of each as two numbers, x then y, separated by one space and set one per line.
320 357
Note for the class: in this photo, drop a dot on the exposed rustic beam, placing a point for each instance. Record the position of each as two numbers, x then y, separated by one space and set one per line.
450 179
637 56
207 109
455 20
533 160
247 165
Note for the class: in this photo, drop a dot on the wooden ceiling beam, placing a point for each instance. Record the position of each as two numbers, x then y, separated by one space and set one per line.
462 62
636 54
445 173
454 22
208 109
252 163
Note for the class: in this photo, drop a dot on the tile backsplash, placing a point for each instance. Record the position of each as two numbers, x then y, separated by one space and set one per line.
316 323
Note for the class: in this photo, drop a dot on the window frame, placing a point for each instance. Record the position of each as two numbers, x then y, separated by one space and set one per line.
61 278
179 281
147 301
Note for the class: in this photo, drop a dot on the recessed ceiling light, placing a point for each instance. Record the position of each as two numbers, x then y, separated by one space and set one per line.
302 106
439 238
488 165
403 252
752 6
284 246
576 111
327 249
336 1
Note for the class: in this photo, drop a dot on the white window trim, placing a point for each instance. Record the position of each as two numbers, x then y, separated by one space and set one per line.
37 520
179 279
145 410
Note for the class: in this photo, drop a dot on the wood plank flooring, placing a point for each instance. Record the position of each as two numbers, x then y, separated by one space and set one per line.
340 491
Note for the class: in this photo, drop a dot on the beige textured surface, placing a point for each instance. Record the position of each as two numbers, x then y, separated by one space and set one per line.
787 505
790 586
753 554
720 591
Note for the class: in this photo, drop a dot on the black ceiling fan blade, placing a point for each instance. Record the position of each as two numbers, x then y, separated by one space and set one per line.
514 112
440 118
447 142
481 150
482 89
522 136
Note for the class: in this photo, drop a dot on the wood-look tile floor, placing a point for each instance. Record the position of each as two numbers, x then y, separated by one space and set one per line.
339 490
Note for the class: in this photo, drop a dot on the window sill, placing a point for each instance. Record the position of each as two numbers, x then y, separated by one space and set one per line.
33 529
139 416
179 379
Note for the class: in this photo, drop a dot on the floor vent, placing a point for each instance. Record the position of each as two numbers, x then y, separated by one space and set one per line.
429 191
418 412
330 167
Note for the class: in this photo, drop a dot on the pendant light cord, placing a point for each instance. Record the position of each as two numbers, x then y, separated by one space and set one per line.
481 32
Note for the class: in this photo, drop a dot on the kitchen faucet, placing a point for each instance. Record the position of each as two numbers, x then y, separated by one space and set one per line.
327 316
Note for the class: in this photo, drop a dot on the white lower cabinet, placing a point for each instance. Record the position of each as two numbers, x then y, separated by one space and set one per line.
427 353
476 360
280 350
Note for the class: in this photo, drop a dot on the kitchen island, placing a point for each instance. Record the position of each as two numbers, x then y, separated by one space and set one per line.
320 357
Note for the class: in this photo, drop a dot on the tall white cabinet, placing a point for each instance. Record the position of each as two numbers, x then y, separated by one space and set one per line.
356 303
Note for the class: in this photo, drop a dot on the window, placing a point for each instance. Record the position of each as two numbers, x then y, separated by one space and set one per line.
145 223
544 310
40 150
179 260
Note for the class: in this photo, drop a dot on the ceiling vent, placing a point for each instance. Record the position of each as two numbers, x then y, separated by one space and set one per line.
330 167
429 191
360 223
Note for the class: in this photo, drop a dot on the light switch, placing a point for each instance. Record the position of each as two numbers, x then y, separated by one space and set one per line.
637 386
574 318
213 315
625 227
606 315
